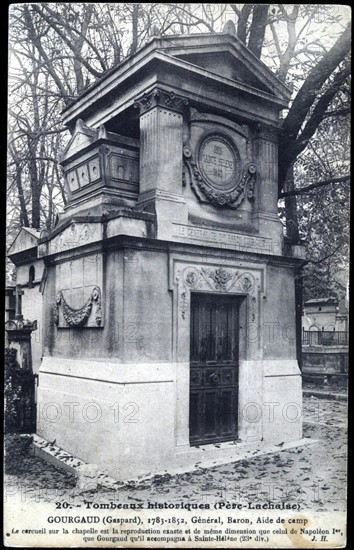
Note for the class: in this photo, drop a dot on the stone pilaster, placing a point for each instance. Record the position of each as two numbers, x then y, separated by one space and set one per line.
161 155
266 149
266 153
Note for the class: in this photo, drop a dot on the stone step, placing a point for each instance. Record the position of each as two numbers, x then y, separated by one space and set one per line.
90 477
86 473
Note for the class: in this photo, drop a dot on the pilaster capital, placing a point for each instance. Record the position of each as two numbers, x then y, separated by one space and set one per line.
158 97
268 133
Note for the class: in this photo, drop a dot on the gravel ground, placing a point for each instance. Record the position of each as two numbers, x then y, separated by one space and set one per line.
313 475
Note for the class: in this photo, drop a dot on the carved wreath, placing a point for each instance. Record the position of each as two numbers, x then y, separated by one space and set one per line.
78 317
232 198
238 188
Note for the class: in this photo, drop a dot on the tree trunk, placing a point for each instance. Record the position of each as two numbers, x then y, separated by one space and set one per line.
299 292
242 22
36 209
292 222
23 211
35 185
293 237
257 30
135 21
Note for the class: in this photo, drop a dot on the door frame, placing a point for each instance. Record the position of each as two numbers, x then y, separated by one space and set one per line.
188 273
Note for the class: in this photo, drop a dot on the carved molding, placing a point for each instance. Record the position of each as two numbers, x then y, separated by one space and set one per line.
77 318
197 115
77 234
158 97
217 279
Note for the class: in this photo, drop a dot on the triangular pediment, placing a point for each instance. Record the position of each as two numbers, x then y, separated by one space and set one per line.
82 137
224 64
226 56
26 238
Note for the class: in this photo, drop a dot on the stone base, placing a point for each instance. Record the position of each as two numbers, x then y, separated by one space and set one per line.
126 419
186 462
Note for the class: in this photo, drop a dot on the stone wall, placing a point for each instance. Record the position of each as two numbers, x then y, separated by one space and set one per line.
137 363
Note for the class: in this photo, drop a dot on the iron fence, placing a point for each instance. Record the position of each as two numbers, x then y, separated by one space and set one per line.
324 338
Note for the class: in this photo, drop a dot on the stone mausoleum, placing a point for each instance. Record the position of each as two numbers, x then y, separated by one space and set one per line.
169 307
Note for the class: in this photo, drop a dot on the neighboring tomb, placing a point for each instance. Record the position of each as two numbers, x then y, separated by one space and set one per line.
169 303
325 339
30 277
325 314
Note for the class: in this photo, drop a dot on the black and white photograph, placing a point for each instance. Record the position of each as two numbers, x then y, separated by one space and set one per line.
176 320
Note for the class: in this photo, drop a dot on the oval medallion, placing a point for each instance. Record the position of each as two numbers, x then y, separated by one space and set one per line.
219 162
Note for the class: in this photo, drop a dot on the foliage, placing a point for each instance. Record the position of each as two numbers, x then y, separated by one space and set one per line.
16 450
324 217
16 446
15 379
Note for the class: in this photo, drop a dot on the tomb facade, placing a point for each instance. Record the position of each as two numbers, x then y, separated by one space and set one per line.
169 297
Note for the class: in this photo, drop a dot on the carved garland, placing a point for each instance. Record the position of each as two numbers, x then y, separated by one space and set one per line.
78 317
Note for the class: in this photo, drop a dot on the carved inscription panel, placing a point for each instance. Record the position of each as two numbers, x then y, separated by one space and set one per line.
219 162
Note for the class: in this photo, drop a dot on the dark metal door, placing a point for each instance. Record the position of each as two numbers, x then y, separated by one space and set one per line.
213 368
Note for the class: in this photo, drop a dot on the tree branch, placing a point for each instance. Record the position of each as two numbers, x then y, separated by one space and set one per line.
62 35
306 97
197 20
83 36
344 111
313 83
42 53
317 115
243 16
308 188
329 255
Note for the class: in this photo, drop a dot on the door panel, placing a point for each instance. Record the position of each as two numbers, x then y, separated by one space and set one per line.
214 368
210 418
196 406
